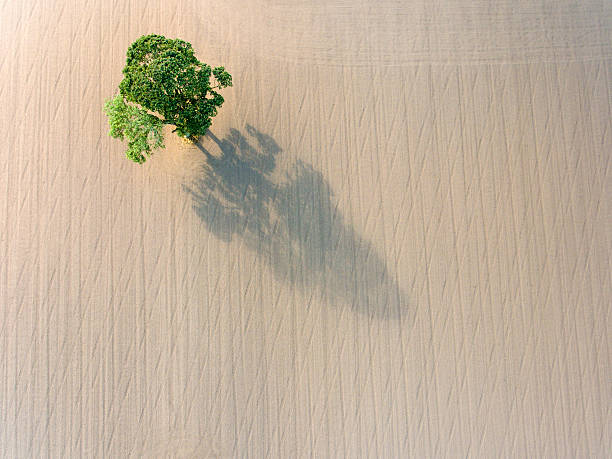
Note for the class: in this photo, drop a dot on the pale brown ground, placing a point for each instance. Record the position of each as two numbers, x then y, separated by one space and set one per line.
399 247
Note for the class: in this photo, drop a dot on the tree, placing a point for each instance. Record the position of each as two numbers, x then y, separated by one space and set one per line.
164 83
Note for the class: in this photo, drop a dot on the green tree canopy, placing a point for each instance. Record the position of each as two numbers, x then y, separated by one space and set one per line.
164 80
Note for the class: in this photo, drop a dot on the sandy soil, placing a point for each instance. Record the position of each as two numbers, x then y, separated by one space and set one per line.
395 243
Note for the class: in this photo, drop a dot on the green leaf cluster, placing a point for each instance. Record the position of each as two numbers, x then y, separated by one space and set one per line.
142 130
164 80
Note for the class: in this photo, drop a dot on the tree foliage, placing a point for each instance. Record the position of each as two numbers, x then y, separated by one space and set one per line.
164 81
142 130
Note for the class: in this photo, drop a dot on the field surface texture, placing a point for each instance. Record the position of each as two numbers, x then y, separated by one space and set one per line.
395 240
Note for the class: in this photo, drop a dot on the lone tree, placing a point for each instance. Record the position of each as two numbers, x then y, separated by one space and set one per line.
164 83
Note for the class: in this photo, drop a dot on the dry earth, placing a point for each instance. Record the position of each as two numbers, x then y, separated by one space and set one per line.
395 243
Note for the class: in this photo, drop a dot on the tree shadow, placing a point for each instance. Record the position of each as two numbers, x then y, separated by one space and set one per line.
291 222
